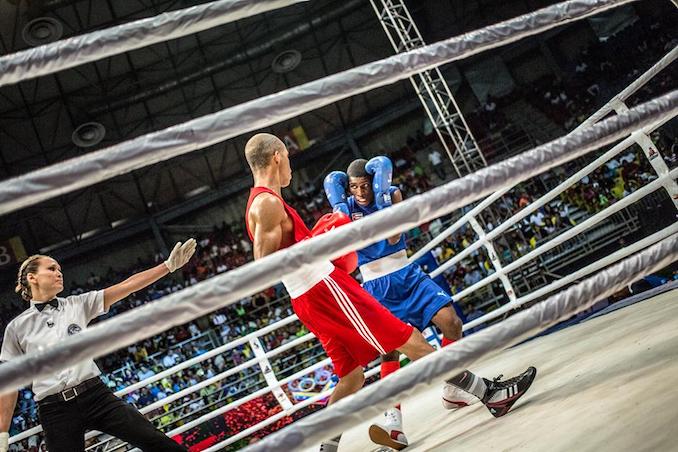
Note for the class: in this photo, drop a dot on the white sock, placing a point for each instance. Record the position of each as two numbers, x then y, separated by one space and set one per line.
469 382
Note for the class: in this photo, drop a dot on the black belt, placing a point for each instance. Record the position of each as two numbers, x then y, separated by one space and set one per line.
72 393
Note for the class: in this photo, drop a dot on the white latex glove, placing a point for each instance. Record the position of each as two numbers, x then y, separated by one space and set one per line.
4 441
180 255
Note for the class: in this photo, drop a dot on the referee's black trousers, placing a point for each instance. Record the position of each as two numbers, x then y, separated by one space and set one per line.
98 408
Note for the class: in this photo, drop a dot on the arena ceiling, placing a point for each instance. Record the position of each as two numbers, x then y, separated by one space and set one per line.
73 112
158 86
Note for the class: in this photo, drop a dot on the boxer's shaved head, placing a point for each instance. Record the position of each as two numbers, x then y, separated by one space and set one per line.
357 168
269 160
260 149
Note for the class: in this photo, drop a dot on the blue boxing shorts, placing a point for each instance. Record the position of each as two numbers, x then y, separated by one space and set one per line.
410 294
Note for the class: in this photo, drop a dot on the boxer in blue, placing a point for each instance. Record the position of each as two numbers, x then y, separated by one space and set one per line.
410 294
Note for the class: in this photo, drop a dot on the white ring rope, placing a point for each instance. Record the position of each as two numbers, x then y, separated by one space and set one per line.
632 88
214 413
515 218
191 362
582 272
245 433
568 233
71 52
69 175
214 352
594 118
430 370
496 232
190 303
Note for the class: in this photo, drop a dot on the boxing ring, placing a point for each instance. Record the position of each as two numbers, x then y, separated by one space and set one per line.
562 358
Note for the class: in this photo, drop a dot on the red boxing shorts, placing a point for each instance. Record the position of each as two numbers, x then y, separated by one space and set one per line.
351 325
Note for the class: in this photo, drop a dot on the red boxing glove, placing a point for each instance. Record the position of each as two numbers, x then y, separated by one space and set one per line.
327 222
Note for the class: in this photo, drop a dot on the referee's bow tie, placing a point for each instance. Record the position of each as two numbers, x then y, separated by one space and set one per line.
53 303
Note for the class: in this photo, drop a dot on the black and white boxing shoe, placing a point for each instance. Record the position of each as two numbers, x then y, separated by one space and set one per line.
501 395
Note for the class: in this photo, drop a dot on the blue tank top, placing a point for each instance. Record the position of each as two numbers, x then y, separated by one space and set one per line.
376 250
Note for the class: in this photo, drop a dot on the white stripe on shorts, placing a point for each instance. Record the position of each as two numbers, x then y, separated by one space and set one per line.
352 313
361 329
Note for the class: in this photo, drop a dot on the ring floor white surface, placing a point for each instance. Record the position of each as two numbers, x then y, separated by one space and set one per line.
606 384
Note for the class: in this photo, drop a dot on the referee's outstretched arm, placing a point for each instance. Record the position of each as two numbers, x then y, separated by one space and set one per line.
177 259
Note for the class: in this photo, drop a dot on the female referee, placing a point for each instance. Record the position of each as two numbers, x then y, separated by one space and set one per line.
75 399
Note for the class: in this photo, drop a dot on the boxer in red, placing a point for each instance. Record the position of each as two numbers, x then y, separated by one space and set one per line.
351 325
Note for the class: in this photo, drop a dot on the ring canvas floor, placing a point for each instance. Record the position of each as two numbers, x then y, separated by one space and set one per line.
606 384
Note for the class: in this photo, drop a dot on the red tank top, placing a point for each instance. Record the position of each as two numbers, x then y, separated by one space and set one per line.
301 232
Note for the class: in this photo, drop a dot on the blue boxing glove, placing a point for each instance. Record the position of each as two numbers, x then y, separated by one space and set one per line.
335 185
381 169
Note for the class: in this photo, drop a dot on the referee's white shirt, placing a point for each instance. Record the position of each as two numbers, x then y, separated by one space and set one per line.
33 331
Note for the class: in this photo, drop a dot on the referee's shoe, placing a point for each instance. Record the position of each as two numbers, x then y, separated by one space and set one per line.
501 395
